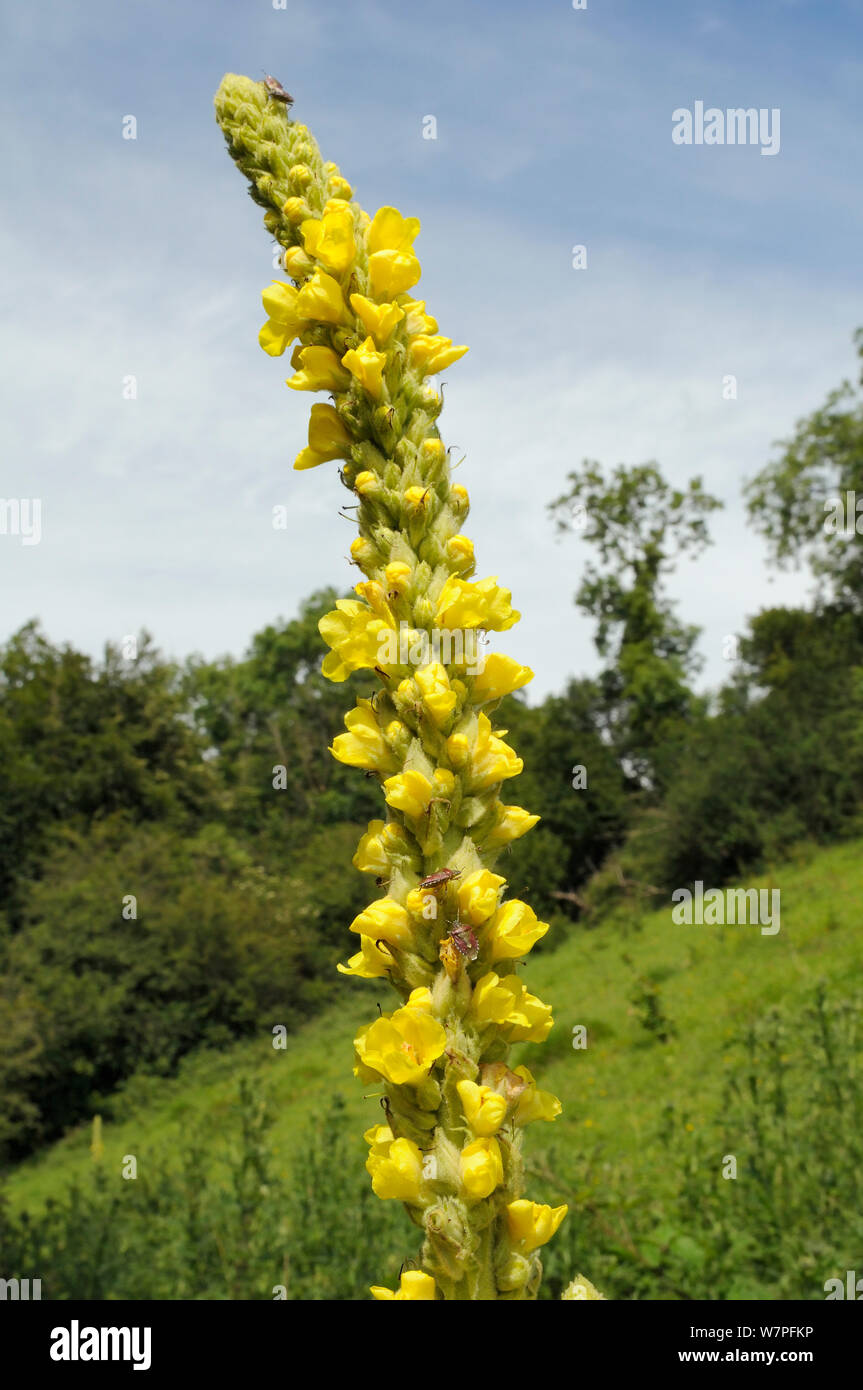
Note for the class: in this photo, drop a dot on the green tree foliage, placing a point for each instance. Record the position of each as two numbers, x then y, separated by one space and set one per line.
207 795
214 946
640 526
573 780
80 741
789 501
274 710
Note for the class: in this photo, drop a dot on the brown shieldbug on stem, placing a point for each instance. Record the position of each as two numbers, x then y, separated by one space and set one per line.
464 940
439 877
276 90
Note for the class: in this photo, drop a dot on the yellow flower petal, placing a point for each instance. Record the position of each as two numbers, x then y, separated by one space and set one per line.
367 365
390 231
531 1224
377 319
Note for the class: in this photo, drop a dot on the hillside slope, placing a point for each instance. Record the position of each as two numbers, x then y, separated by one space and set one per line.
661 1004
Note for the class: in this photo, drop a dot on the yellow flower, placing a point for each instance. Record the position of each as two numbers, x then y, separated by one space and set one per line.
409 792
491 759
328 438
330 238
367 365
395 1165
500 676
371 961
392 232
374 595
531 1021
478 895
513 822
416 318
534 1104
401 1048
354 632
285 319
481 1168
463 603
433 353
414 1287
421 902
393 268
384 920
494 999
390 272
381 839
421 999
438 698
377 319
514 930
484 1109
531 1224
506 1002
379 1138
363 745
321 299
319 370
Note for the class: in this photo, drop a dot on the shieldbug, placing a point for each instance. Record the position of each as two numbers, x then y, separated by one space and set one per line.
464 940
439 877
276 90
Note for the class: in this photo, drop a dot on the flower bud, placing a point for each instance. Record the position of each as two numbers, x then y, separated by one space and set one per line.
367 484
459 549
340 188
364 552
297 263
296 210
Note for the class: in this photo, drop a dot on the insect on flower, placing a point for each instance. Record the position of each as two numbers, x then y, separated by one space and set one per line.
276 90
464 940
439 877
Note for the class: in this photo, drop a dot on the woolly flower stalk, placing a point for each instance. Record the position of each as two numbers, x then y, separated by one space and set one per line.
441 932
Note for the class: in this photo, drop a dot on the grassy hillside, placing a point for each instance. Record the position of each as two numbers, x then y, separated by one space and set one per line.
664 1008
709 982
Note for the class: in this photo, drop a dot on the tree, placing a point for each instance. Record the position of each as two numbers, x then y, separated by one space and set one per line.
805 498
274 709
80 740
640 526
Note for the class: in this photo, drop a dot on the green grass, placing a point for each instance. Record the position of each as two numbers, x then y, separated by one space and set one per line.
710 981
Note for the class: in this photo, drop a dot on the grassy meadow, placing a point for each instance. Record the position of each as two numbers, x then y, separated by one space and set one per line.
688 1060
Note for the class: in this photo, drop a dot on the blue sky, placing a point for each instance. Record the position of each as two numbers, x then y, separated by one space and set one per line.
554 127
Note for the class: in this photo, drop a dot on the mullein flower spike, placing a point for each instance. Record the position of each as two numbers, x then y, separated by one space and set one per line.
447 942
